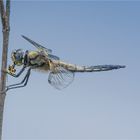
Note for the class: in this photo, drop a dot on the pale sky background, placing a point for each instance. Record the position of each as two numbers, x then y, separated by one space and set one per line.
102 105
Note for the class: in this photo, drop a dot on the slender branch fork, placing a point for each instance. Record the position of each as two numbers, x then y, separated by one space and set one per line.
5 14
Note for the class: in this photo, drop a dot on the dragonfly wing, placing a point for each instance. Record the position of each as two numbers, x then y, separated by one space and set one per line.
38 46
60 78
53 57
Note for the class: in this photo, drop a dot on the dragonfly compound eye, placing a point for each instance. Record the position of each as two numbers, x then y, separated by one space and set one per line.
17 57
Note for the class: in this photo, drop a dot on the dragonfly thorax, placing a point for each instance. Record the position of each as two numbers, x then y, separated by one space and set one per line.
17 57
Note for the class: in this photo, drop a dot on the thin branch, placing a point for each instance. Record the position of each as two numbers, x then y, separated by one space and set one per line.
5 29
5 25
1 7
8 8
8 12
2 13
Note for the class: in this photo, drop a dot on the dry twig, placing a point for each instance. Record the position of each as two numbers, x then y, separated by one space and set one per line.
5 14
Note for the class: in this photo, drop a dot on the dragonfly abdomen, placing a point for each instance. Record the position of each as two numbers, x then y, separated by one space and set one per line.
98 68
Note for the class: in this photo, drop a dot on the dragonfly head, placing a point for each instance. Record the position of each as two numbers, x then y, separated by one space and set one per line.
17 57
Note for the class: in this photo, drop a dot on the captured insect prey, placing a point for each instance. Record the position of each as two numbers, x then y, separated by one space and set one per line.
11 69
61 74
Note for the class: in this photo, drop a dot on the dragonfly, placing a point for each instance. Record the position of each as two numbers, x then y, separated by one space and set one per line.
61 73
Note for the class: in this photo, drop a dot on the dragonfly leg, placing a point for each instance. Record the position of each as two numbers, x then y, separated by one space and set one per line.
19 85
19 82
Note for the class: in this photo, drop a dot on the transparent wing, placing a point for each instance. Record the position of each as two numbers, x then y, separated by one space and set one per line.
42 49
38 46
60 78
53 57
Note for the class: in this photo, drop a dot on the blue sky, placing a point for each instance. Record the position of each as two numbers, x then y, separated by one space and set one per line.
96 105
